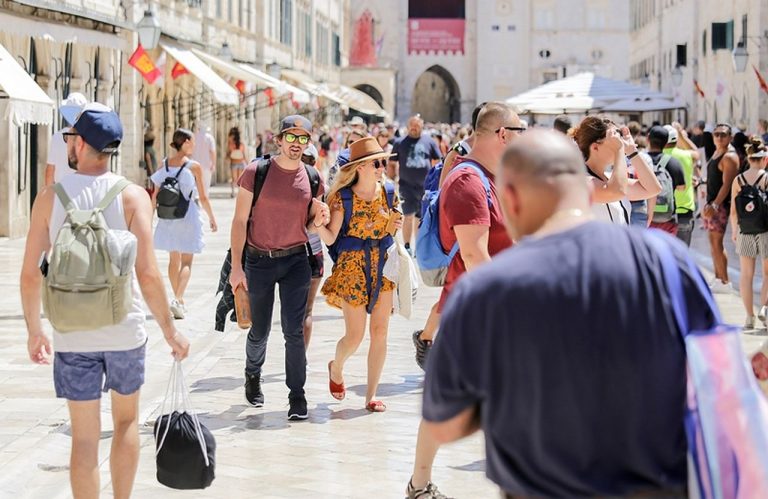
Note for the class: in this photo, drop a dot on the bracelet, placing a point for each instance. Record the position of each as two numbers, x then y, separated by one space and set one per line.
630 156
317 226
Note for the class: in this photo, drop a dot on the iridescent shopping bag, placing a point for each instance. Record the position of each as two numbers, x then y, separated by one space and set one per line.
727 414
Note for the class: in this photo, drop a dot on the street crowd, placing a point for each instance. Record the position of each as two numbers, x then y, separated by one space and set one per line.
555 332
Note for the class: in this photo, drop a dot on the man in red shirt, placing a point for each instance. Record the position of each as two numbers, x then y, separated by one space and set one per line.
471 215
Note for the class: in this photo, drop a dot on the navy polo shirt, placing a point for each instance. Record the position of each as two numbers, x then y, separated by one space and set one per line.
568 348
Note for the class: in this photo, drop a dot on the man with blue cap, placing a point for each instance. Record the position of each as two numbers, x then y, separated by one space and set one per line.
56 165
111 357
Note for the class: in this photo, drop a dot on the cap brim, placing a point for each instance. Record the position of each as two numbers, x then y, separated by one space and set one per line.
296 129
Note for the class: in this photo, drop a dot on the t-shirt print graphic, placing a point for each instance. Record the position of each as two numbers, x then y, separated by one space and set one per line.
418 157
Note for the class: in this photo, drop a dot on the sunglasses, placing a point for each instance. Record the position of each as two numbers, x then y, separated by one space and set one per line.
291 138
721 134
379 163
512 129
67 135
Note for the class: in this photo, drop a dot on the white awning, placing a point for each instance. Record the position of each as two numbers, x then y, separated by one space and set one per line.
27 103
310 84
298 95
358 100
222 91
236 71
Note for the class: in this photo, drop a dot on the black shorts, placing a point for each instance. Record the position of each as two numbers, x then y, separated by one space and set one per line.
410 195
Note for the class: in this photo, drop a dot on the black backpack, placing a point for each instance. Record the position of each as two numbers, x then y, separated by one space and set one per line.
171 203
752 206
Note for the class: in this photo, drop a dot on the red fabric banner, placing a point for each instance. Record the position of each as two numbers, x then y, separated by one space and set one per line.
178 70
270 93
763 84
144 65
698 89
436 35
240 86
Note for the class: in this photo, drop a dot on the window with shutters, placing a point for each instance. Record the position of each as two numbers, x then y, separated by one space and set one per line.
722 36
682 55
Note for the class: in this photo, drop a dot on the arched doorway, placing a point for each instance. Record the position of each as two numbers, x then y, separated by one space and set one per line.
436 96
373 92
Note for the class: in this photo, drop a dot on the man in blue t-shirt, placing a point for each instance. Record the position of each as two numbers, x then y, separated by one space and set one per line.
589 400
414 154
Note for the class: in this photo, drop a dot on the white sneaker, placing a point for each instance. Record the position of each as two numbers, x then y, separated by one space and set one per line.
763 313
718 286
750 322
177 309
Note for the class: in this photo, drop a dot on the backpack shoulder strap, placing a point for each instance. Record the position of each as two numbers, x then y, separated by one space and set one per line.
165 164
314 180
260 175
474 166
182 169
63 197
664 161
741 179
389 189
759 178
347 203
113 193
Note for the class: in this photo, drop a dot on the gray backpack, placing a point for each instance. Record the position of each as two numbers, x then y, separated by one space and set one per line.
664 211
84 288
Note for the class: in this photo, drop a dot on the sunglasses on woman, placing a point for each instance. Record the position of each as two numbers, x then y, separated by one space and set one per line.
379 163
721 134
291 138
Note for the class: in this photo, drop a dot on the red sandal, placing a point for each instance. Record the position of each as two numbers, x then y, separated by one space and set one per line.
338 391
376 406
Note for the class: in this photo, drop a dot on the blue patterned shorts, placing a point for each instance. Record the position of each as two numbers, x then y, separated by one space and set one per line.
83 376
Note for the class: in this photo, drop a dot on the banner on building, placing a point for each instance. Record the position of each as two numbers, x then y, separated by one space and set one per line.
698 89
436 35
144 64
763 84
270 93
178 70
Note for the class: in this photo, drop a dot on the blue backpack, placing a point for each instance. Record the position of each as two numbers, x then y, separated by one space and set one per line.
348 243
433 261
431 184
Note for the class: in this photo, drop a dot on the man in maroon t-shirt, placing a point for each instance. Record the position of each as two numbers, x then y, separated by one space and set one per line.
466 217
273 233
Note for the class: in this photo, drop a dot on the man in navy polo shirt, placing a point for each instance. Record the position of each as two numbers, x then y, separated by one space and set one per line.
564 349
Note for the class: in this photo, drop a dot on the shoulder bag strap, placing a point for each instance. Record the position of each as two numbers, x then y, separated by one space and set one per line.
348 204
389 189
63 197
113 193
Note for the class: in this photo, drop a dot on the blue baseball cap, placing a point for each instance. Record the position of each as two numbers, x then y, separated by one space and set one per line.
100 128
343 157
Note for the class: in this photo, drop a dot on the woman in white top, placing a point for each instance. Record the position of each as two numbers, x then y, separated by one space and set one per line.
602 144
182 237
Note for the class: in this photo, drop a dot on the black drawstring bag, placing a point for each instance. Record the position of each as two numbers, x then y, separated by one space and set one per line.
185 449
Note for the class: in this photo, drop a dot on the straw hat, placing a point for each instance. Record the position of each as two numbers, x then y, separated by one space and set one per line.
365 149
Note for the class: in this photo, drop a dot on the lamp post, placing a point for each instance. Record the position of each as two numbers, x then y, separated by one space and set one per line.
740 57
226 52
677 76
149 30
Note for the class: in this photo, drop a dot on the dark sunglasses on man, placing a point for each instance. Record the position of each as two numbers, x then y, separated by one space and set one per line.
292 137
520 129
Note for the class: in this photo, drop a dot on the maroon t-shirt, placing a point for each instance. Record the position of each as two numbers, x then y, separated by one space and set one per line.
463 201
280 216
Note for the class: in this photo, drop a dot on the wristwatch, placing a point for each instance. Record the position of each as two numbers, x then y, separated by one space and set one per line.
630 156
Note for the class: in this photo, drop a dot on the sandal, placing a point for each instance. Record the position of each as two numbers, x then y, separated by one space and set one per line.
760 365
376 406
338 391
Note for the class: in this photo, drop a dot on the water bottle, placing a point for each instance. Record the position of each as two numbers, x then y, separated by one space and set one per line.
243 307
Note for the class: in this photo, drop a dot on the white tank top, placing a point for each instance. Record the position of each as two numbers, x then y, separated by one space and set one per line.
86 191
615 212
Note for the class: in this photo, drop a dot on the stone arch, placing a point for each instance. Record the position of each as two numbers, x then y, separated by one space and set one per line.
371 91
436 96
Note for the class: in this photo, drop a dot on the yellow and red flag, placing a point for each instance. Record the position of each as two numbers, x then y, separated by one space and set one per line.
144 64
178 70
763 84
698 89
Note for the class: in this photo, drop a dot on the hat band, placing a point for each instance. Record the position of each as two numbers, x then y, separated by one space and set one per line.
364 158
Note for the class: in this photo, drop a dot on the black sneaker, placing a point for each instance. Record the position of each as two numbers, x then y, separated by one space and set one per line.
422 349
253 393
298 408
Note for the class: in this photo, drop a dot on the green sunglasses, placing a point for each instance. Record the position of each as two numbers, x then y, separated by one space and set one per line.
291 138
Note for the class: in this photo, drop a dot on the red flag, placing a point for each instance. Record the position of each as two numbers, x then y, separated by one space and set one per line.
240 86
763 84
270 93
178 70
144 65
698 89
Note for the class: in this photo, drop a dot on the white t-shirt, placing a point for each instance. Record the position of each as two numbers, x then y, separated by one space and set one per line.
204 146
86 191
57 156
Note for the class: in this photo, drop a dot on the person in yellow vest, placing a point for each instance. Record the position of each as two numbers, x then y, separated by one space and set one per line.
680 147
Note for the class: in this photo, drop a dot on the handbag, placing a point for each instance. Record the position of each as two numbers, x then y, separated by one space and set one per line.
726 420
185 449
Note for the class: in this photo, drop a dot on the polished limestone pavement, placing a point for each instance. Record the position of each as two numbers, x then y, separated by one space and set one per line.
342 451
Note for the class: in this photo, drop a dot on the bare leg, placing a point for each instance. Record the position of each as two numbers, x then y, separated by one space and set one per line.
313 287
185 272
764 288
174 268
235 178
409 223
719 256
354 323
84 460
745 284
426 450
124 458
377 353
430 328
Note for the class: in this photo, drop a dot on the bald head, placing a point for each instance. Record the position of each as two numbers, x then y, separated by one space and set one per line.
542 154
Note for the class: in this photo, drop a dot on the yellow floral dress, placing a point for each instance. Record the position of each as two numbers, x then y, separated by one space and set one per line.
347 282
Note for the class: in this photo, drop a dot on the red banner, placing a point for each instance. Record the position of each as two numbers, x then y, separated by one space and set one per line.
763 84
436 35
144 65
178 70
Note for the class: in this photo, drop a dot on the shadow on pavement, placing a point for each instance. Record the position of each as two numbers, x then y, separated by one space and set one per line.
476 466
411 383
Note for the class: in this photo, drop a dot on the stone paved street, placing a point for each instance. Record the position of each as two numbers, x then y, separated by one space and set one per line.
341 451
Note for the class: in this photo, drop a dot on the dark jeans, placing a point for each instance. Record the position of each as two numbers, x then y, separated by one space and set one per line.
685 225
293 275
